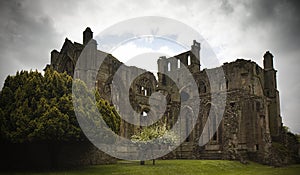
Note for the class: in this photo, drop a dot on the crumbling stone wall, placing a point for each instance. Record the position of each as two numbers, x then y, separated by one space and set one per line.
252 114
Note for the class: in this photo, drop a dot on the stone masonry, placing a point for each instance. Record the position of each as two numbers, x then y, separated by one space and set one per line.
252 115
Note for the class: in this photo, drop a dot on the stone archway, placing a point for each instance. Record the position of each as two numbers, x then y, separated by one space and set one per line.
186 125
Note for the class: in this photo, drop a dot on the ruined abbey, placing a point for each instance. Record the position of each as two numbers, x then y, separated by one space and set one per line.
251 120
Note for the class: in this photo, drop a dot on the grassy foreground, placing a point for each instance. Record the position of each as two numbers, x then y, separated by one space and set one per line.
173 167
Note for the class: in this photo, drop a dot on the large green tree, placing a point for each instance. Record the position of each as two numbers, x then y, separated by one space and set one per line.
39 108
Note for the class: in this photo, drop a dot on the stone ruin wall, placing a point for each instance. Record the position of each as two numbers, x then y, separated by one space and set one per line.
251 98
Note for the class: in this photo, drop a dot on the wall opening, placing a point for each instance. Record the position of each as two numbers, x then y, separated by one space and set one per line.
257 147
214 138
227 84
144 114
214 127
189 60
143 118
169 66
187 124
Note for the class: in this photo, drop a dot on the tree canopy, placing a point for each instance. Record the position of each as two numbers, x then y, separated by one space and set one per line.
36 107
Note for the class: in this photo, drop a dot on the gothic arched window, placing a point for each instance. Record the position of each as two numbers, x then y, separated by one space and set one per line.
178 63
188 60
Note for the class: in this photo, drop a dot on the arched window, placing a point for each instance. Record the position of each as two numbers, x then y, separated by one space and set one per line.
178 63
169 66
214 128
144 86
187 124
144 114
142 90
189 60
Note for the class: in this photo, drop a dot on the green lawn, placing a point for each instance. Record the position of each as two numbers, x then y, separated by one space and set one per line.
180 167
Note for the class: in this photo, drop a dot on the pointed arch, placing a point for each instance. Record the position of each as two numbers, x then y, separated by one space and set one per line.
188 123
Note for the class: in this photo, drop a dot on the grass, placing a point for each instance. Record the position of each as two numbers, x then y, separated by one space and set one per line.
174 167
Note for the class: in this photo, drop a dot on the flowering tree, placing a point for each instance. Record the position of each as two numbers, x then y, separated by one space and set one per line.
155 134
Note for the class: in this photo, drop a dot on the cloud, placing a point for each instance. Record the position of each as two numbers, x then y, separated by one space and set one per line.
129 50
227 7
138 47
280 18
29 30
24 41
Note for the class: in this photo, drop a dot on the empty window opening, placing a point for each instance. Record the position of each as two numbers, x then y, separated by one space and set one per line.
145 91
144 114
178 63
169 66
214 138
214 129
189 60
227 83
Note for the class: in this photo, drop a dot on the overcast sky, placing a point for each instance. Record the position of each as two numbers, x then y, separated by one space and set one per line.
29 30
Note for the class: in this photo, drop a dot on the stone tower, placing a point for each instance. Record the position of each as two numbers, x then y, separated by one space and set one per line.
87 64
195 48
87 35
195 61
270 91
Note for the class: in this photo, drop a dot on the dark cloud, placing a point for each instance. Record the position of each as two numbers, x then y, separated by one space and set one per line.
281 19
26 36
284 16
